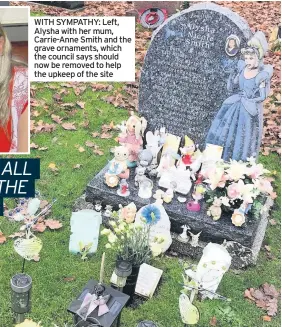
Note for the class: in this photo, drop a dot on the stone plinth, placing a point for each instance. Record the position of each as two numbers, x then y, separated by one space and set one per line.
212 231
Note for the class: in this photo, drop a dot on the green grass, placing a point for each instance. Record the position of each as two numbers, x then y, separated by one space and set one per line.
51 294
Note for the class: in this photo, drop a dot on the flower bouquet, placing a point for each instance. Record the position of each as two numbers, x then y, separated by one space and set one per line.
130 242
237 187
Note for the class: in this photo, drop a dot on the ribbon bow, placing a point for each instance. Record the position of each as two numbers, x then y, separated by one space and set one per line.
91 302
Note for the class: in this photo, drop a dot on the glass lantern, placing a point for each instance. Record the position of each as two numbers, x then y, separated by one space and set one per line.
21 295
123 270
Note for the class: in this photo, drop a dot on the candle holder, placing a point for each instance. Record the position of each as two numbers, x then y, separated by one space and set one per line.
21 295
123 269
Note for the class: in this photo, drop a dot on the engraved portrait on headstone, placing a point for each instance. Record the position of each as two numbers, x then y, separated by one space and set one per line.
232 46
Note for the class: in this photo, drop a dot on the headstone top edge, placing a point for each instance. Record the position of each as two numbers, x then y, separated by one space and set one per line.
233 16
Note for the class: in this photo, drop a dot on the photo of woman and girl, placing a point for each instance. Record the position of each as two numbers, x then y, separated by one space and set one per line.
14 134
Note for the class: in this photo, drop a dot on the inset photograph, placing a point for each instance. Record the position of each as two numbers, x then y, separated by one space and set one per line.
14 90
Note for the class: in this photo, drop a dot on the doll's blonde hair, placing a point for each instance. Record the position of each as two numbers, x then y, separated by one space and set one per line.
6 65
5 77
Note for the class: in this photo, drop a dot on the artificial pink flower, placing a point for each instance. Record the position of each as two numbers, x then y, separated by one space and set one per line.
233 191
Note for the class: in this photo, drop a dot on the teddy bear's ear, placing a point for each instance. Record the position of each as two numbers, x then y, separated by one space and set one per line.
112 150
131 113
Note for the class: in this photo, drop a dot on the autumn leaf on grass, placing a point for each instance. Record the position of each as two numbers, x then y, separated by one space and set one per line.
53 224
81 149
34 113
57 97
85 123
110 127
57 119
266 318
69 279
77 166
81 104
43 148
53 167
90 144
39 227
69 126
43 204
18 234
106 136
2 238
213 321
98 152
69 104
34 146
95 134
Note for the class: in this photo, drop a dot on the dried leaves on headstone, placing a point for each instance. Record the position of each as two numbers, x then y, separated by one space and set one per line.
266 298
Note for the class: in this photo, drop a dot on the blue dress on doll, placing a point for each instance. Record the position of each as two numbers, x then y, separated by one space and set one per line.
238 124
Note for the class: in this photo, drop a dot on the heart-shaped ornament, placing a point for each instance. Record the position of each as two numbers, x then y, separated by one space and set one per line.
28 248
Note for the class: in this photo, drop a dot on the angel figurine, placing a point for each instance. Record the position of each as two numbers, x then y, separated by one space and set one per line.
238 125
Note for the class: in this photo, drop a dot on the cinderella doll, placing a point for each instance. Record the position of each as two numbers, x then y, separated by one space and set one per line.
238 124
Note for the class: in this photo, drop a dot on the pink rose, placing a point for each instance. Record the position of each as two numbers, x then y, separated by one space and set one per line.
233 191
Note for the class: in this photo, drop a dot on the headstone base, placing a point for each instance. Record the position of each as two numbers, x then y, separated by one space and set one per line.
249 237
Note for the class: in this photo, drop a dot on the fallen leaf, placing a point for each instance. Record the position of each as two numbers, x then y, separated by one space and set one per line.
34 146
90 144
77 166
268 248
106 136
95 134
43 204
97 151
248 294
18 234
69 126
270 290
81 149
213 321
39 227
81 104
2 238
69 279
266 318
53 224
53 167
43 148
57 119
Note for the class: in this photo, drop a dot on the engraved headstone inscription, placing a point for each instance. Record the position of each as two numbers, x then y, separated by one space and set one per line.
185 74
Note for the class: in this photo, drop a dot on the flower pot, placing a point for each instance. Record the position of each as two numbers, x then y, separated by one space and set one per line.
131 281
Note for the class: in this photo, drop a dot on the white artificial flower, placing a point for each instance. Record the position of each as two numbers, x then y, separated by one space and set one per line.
113 223
225 201
237 170
105 231
112 238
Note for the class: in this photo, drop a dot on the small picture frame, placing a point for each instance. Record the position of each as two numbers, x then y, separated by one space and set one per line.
232 45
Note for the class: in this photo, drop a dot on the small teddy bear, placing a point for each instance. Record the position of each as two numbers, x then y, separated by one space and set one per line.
118 165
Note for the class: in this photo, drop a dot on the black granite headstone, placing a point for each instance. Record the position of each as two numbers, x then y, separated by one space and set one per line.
184 76
63 4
